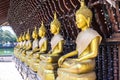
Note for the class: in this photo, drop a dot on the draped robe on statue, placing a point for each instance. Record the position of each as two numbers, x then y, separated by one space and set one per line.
54 42
83 40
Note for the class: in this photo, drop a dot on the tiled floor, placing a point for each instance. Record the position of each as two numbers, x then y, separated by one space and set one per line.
9 72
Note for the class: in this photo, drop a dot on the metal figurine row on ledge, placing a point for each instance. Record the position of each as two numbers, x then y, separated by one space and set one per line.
51 64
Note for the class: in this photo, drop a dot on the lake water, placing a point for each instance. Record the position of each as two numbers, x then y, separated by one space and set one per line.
6 51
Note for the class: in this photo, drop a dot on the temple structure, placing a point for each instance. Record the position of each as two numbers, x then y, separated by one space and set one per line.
22 15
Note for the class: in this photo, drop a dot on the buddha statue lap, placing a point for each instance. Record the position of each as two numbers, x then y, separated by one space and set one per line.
48 63
42 49
34 47
28 46
87 43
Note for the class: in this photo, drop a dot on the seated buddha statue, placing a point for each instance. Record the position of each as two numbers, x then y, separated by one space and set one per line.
17 47
87 43
20 46
56 43
28 46
48 61
34 47
42 48
23 45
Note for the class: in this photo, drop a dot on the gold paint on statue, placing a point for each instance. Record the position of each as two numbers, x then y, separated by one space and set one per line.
28 46
88 40
53 54
34 47
48 65
42 48
17 47
21 45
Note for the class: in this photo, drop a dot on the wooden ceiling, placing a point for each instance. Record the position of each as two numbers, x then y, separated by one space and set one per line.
4 6
26 14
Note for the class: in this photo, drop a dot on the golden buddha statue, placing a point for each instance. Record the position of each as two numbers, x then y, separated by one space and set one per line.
42 48
48 63
87 43
34 47
20 46
17 47
28 46
23 45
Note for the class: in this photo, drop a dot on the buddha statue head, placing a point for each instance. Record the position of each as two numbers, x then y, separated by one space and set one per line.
23 37
34 34
42 30
83 16
55 25
27 35
20 38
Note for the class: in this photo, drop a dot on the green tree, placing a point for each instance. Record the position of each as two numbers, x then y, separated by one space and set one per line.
6 36
1 34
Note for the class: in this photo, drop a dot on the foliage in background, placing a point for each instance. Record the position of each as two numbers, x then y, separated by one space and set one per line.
6 36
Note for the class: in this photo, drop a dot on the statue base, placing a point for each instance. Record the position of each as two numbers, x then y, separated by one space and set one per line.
27 61
34 66
32 75
47 71
22 58
62 75
47 74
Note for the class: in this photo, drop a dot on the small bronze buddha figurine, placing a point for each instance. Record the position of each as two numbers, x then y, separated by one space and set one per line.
48 63
87 43
34 47
28 46
41 50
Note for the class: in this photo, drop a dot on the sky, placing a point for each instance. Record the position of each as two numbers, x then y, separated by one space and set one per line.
8 28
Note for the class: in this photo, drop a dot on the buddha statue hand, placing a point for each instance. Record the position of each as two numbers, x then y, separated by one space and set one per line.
61 60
